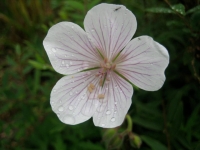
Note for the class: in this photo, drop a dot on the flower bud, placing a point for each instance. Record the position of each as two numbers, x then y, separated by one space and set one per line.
135 140
116 142
109 134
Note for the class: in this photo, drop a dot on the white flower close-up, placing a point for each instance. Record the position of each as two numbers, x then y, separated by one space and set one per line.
101 62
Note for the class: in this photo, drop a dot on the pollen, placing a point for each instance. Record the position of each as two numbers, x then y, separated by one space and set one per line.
101 96
91 87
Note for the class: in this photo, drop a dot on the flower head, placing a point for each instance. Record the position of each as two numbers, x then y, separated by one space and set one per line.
100 63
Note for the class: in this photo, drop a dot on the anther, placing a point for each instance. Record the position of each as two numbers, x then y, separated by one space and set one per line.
101 96
91 87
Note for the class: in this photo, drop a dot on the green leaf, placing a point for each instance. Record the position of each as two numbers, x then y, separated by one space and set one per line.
159 10
39 65
154 144
194 9
148 123
180 8
75 4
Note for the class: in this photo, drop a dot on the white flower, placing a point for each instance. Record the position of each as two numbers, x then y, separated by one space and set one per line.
100 63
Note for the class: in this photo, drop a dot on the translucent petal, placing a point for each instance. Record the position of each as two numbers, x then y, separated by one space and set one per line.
71 100
69 48
114 106
111 27
143 62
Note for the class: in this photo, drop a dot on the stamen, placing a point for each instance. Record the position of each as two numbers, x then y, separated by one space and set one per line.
105 60
107 65
101 82
101 96
91 87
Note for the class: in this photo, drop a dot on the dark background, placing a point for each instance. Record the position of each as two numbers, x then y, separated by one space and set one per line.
168 119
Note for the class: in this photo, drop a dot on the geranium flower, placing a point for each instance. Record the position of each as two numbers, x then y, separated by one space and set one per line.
101 63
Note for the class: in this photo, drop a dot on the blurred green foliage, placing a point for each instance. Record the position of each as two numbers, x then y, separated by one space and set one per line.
168 119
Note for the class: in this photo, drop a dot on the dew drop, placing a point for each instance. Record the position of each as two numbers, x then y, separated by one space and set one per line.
63 62
65 56
83 96
70 63
71 107
92 30
108 112
60 108
53 49
102 124
72 27
54 90
115 103
115 111
67 65
112 119
70 93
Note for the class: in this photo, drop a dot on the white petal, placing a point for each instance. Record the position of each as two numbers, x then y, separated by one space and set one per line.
143 62
71 100
111 27
69 48
113 108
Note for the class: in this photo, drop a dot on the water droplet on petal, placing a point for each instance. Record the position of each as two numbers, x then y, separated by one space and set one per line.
53 49
69 119
71 107
63 62
70 63
102 124
72 27
115 103
67 65
112 119
115 111
108 112
60 108
70 93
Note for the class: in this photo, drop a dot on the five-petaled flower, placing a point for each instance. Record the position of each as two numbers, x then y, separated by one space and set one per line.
100 64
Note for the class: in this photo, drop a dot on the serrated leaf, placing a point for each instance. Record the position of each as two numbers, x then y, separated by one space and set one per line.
180 8
159 10
154 144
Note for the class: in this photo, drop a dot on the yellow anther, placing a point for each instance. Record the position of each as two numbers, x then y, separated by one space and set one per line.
91 88
101 96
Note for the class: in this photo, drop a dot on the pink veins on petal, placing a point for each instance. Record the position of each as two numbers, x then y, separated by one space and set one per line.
100 63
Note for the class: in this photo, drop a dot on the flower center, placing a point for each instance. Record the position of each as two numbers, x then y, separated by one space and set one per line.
107 65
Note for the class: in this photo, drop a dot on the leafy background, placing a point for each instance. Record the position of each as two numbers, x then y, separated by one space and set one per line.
168 119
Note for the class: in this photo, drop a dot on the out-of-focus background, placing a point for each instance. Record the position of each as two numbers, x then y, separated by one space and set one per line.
168 119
